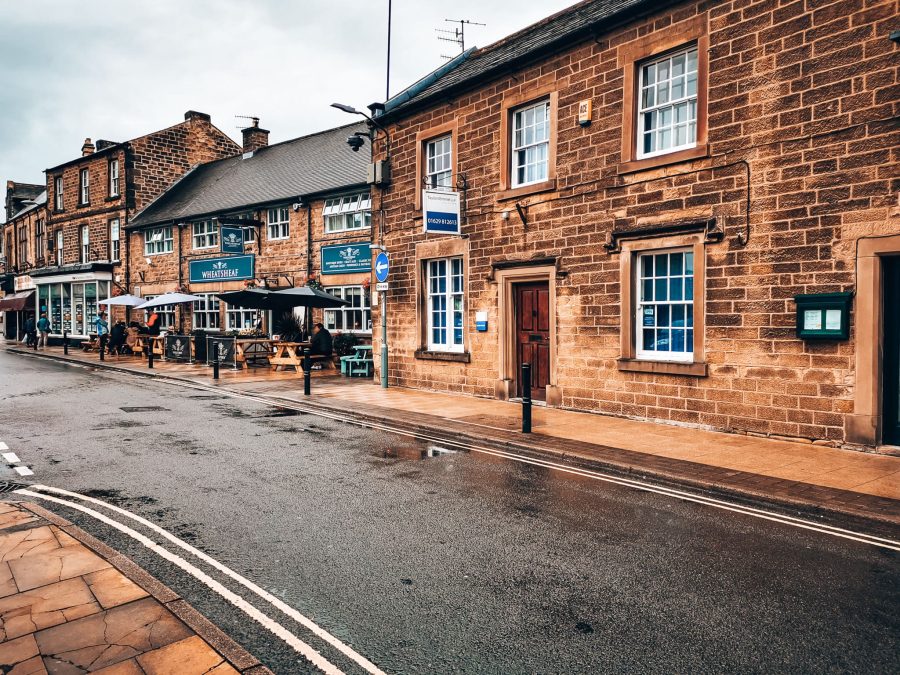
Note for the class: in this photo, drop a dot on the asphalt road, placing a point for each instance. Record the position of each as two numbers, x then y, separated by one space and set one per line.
453 563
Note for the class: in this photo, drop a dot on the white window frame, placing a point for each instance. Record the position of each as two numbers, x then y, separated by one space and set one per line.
446 298
364 309
278 221
205 312
84 183
166 314
58 191
60 241
158 241
347 213
687 289
439 163
85 241
648 102
205 234
114 177
533 151
115 239
236 317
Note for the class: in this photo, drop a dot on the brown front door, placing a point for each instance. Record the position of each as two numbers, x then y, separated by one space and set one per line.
533 336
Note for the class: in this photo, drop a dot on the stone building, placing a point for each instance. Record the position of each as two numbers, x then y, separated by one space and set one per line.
677 211
80 253
304 209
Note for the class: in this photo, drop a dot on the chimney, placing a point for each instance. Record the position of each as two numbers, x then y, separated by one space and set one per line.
103 145
254 137
87 148
193 115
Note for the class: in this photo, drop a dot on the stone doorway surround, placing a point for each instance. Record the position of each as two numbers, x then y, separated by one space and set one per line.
864 425
506 279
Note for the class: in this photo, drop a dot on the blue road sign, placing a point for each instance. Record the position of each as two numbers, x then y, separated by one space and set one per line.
381 267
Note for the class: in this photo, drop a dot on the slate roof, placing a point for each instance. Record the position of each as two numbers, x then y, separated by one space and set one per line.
305 166
561 29
30 204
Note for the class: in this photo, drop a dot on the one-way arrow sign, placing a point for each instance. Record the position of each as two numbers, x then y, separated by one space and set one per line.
381 267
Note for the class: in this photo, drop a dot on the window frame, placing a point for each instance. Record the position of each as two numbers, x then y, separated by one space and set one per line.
115 244
209 234
209 308
432 180
84 187
58 193
113 177
640 303
236 311
163 311
84 243
167 236
450 346
365 308
630 57
341 209
282 228
60 243
512 103
422 138
22 244
514 149
39 232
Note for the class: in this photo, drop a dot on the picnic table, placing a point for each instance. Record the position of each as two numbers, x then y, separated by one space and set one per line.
158 342
252 350
288 354
359 362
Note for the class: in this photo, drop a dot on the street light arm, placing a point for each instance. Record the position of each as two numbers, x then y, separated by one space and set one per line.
353 111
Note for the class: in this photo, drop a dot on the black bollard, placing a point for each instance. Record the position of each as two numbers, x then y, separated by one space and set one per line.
526 398
102 346
150 355
216 369
307 368
65 343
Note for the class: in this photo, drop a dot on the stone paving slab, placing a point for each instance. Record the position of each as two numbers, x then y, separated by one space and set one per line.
66 609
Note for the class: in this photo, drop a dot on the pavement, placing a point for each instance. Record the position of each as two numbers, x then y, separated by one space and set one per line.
810 477
70 604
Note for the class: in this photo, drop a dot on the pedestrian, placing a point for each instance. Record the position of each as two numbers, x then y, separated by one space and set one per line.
30 332
43 325
153 323
102 327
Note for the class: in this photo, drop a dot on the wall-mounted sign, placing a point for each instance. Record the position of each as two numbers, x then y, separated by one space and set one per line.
823 316
23 282
346 258
232 239
584 112
440 211
382 286
481 321
232 268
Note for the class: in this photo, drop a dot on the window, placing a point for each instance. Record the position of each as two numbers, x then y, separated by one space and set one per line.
59 247
240 318
665 305
279 223
85 243
206 312
353 212
356 317
39 239
114 178
439 163
158 240
58 192
531 144
166 314
445 304
114 239
667 107
23 245
206 234
84 196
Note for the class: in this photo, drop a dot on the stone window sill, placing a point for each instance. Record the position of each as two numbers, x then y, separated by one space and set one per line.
514 193
698 152
457 357
698 369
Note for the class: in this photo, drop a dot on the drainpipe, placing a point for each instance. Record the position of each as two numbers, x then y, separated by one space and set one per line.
180 278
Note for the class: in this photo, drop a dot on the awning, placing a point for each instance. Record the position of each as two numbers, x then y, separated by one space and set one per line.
15 302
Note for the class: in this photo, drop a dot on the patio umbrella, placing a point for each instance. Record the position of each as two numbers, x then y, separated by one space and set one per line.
168 299
123 300
251 298
304 296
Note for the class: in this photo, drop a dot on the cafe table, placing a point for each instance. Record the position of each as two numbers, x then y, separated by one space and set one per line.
251 350
288 354
158 342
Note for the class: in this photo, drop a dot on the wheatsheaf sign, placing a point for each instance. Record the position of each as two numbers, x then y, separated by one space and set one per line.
232 268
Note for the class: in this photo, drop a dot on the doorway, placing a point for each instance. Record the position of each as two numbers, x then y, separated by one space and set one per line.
891 376
533 335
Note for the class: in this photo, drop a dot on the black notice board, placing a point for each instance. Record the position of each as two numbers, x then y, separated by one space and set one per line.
220 349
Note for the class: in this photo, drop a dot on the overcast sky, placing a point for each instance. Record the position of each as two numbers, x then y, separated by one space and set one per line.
117 69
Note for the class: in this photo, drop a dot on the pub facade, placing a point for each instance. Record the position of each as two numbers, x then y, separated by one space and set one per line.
684 212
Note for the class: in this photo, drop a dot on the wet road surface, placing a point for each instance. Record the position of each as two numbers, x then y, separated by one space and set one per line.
454 562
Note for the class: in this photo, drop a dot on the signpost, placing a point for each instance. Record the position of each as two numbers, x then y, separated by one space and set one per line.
441 211
382 267
232 239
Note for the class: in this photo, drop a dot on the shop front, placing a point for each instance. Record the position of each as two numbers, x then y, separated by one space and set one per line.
71 300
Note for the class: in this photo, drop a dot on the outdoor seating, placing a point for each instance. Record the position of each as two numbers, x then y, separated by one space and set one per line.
358 363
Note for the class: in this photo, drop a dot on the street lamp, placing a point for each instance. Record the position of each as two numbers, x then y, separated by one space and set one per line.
354 141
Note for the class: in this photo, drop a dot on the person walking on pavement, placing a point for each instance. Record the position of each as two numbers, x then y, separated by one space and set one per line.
30 332
43 325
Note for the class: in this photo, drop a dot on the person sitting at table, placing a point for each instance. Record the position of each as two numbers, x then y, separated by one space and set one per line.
153 323
117 338
321 343
131 336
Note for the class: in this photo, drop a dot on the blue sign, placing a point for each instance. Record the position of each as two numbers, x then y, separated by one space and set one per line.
232 239
382 265
346 258
441 209
232 268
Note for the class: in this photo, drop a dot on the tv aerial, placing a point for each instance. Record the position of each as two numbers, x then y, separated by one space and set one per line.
457 36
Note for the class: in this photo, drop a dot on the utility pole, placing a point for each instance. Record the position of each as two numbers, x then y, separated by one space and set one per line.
387 92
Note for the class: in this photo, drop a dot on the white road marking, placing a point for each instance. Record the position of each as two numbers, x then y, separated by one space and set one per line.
246 583
3 446
270 624
23 471
11 458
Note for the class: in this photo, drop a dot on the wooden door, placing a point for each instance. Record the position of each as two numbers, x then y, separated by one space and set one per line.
533 336
891 374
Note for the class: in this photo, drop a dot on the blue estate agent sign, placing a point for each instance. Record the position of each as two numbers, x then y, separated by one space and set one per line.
232 240
382 265
441 210
232 268
346 258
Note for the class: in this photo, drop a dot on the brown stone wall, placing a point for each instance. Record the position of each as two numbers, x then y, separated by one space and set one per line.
802 155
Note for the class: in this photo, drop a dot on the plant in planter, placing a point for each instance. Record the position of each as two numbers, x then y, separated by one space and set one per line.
343 343
290 328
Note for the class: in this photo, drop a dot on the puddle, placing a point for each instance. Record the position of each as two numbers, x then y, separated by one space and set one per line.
415 452
143 408
282 412
116 497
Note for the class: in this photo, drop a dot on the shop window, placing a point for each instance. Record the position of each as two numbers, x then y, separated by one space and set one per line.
665 306
278 221
85 243
158 240
353 318
58 193
206 234
114 178
240 318
115 242
84 183
206 312
351 212
444 283
439 163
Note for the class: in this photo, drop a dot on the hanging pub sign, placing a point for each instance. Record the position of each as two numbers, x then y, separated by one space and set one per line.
232 239
440 210
178 348
346 258
232 268
220 349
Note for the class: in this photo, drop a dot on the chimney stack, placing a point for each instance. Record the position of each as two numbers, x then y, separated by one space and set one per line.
87 148
255 137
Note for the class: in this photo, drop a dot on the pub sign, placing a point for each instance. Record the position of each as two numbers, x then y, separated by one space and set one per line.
232 268
346 258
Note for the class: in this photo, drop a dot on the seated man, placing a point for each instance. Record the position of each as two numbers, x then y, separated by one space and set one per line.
117 338
321 344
